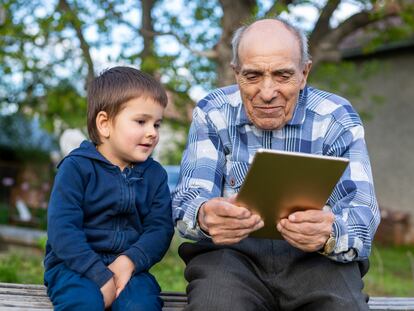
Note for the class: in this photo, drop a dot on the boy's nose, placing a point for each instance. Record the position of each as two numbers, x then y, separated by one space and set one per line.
151 132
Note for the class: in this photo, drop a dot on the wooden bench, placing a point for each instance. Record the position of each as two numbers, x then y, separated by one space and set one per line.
29 297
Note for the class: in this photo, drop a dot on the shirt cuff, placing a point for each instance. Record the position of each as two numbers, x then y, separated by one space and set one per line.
139 258
189 227
99 273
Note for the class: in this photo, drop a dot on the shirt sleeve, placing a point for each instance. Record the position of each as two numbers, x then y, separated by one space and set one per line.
202 170
353 200
65 223
158 227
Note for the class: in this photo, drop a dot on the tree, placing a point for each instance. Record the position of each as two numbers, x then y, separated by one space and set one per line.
324 38
50 50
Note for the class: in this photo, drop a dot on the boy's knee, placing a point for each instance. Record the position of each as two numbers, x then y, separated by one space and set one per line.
138 303
81 301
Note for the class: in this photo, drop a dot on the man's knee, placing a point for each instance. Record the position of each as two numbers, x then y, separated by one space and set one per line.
224 280
326 285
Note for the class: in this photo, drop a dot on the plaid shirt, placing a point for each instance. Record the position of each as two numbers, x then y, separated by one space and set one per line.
222 142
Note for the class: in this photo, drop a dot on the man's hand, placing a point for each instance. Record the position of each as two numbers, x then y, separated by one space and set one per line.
108 291
307 230
226 222
122 267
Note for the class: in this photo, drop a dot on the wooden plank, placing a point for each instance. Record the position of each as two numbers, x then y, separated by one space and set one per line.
29 297
391 303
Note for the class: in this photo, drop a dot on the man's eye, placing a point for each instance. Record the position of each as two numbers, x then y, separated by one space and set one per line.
251 77
283 77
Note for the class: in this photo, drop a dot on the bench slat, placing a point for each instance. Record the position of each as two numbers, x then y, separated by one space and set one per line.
29 297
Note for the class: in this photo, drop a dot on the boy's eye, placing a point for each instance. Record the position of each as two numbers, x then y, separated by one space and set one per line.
141 122
157 125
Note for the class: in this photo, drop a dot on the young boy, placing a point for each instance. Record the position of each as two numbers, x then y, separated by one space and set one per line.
109 215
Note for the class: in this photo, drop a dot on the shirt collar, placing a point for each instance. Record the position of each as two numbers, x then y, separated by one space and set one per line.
298 115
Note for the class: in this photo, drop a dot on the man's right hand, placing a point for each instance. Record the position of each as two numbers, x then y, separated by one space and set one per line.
108 291
226 222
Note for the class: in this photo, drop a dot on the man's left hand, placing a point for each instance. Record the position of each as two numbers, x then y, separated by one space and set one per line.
307 230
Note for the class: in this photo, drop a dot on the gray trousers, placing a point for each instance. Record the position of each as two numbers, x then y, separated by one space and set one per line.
258 274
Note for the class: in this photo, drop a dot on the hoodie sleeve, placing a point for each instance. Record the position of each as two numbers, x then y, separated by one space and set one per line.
158 230
65 223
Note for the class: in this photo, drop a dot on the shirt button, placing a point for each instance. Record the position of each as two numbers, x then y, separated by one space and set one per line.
232 182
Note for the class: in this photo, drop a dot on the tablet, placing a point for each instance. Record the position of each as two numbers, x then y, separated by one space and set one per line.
279 183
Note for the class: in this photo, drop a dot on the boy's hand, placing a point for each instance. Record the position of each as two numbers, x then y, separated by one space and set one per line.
108 291
122 267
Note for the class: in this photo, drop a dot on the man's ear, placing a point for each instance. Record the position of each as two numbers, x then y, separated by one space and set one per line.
305 73
103 124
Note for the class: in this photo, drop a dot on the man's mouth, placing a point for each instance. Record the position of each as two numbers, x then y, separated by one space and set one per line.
269 109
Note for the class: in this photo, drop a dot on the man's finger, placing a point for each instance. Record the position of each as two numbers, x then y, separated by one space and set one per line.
305 242
311 215
228 209
230 236
227 223
311 247
309 229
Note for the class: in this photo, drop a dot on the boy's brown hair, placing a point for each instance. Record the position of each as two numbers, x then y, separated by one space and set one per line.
113 88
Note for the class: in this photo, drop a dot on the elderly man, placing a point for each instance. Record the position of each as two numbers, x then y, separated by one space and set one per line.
318 264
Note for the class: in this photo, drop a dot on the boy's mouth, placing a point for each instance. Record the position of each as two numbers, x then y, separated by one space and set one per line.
146 145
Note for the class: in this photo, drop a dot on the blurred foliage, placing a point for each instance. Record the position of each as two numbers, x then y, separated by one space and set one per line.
48 49
21 138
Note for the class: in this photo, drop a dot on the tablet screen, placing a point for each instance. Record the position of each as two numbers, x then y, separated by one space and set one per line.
279 183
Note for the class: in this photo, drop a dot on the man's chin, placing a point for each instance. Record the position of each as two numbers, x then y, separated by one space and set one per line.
269 124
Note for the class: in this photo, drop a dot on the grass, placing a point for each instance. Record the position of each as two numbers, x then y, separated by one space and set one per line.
391 272
169 272
21 266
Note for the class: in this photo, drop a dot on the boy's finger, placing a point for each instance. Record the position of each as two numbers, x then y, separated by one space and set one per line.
118 291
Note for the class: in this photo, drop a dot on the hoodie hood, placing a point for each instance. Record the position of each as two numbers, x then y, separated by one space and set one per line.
88 150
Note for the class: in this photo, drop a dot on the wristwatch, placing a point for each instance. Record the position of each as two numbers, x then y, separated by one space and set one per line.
330 244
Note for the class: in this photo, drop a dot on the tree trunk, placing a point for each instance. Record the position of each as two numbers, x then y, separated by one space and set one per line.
147 31
77 26
235 13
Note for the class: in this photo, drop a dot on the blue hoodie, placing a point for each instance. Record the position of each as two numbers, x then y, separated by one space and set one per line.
96 213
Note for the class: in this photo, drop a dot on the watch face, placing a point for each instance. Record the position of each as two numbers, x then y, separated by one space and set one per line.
329 245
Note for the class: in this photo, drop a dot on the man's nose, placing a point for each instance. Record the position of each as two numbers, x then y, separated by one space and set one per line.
268 90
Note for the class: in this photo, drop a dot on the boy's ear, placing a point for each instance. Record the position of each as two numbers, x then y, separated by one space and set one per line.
103 124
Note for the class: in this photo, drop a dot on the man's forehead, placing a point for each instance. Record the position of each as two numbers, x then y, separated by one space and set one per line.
267 29
268 38
271 68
